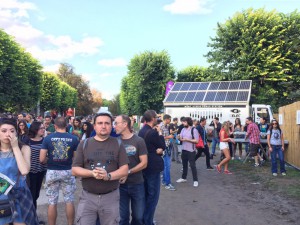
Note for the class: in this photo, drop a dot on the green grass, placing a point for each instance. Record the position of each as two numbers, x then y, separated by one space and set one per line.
288 185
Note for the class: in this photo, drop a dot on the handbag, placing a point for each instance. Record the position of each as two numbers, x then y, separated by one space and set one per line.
200 143
6 208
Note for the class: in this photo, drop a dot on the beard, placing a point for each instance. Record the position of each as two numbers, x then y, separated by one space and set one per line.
186 126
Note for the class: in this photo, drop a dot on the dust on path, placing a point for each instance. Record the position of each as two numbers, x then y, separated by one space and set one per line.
219 200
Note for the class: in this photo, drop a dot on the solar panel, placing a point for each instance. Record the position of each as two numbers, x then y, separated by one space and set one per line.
234 85
199 96
194 86
171 97
177 86
210 96
242 96
224 86
185 86
203 86
220 91
190 96
245 84
180 97
231 96
214 86
220 97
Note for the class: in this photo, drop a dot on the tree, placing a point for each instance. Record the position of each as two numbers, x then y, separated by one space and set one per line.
20 76
144 86
97 99
193 74
253 45
114 105
51 92
67 97
84 99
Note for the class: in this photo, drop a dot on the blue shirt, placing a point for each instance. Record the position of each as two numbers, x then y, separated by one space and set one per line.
61 147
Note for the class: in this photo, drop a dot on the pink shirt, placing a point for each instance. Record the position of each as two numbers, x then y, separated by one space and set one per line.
253 133
187 134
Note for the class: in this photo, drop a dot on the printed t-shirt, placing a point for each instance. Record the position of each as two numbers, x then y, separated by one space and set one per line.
61 147
275 138
135 147
109 154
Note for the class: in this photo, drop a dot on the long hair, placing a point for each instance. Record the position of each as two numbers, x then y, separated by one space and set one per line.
225 125
271 126
89 129
13 123
25 127
34 129
238 122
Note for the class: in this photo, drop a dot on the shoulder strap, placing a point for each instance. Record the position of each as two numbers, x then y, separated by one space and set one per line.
85 143
119 140
192 132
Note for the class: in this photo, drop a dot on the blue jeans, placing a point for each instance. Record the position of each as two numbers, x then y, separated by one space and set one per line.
277 149
134 193
167 168
247 147
215 141
152 190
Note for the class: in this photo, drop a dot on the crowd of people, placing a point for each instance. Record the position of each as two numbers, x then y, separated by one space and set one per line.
121 171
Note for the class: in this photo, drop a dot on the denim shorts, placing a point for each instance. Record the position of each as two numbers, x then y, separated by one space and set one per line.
60 179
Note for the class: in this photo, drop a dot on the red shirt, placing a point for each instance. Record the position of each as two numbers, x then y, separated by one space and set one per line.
225 135
253 133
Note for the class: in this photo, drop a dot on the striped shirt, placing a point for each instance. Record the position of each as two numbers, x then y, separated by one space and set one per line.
35 165
253 133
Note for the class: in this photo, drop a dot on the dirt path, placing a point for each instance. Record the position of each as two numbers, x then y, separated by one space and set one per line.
220 199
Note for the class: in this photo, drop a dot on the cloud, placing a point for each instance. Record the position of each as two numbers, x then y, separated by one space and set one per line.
15 21
51 68
188 7
117 62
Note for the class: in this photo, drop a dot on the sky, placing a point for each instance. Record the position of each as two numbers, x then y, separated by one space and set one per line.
100 37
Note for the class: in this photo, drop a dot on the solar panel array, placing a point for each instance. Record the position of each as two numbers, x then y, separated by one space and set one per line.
220 91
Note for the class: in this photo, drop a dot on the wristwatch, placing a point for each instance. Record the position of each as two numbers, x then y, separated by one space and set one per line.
129 171
108 176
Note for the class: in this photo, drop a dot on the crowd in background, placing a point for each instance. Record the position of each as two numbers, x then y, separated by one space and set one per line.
160 140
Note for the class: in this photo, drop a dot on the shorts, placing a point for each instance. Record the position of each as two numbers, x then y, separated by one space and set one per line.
60 179
224 145
254 149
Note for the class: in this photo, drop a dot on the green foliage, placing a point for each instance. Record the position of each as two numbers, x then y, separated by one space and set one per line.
67 97
144 86
194 74
51 92
84 101
20 76
259 45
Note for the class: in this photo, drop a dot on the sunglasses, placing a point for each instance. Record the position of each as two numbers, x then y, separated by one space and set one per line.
274 123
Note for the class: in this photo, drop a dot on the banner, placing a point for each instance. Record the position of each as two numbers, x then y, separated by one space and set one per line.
169 86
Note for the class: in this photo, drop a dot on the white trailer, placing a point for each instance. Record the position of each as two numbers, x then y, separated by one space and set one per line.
226 100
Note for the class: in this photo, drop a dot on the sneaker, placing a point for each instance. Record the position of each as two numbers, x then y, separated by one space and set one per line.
209 168
196 184
163 183
180 180
181 170
211 156
218 168
274 174
240 158
227 172
262 162
256 165
283 174
232 158
170 187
